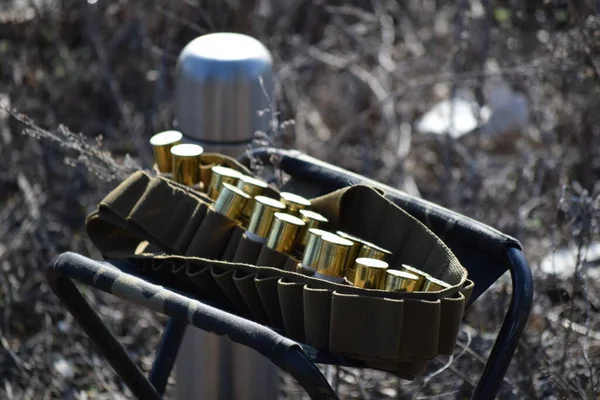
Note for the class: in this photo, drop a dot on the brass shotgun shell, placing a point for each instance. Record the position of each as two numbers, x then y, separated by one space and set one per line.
434 285
219 176
283 232
331 261
186 163
313 246
370 273
420 274
352 254
312 220
370 250
263 216
161 146
293 202
231 201
400 281
254 187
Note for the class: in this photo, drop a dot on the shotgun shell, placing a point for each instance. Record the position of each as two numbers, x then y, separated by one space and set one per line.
420 274
161 146
205 174
312 220
400 281
263 216
186 163
231 201
331 261
434 285
370 273
283 233
293 202
254 187
352 254
219 176
370 250
313 246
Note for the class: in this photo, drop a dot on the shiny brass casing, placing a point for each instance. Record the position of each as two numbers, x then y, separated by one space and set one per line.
263 215
312 220
186 163
400 281
370 273
293 202
370 250
283 232
219 176
352 254
254 187
422 275
231 201
434 285
313 246
331 260
206 174
161 146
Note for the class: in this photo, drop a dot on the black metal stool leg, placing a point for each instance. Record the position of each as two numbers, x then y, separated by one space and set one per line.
108 345
511 330
167 354
309 376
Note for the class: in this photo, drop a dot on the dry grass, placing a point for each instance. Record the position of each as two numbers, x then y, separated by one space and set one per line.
353 76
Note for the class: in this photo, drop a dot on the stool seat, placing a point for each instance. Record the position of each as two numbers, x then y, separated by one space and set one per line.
485 252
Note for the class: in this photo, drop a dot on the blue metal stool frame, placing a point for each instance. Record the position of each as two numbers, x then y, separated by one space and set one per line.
484 251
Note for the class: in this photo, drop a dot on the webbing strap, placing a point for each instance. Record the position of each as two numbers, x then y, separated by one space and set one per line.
388 330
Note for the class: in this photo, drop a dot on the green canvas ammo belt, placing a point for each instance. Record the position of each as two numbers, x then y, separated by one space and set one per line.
172 232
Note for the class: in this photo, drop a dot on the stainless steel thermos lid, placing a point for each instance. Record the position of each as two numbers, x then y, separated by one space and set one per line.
218 94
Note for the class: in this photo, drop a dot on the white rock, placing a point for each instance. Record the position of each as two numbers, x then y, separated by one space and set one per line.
509 110
456 117
505 111
563 261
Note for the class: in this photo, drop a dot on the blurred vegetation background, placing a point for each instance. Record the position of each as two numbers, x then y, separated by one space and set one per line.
369 85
